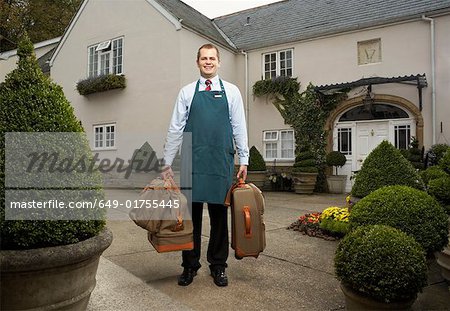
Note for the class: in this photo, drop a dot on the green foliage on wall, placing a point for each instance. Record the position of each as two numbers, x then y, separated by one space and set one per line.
306 113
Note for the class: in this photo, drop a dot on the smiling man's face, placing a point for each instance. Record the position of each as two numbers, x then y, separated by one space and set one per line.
208 63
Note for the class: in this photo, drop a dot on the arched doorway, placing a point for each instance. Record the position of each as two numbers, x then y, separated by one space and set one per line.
356 129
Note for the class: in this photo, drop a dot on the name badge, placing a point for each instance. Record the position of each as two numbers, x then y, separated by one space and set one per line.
217 95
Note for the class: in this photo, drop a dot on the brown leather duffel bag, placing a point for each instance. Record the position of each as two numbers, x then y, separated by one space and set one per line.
162 213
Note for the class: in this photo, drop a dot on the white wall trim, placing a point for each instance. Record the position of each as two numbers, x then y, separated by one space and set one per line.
8 54
223 35
171 18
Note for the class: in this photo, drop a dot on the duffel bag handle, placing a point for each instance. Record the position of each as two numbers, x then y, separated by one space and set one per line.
174 187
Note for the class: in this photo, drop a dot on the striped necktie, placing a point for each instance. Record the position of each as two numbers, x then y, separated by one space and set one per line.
208 85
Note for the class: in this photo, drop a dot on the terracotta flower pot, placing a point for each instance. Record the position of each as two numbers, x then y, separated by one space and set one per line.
443 260
355 301
336 183
304 183
51 278
257 178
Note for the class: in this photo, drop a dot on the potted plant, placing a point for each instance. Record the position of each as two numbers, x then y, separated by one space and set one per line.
336 183
60 256
256 170
380 268
305 171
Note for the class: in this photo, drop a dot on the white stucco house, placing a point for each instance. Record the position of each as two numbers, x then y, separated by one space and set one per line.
43 50
395 52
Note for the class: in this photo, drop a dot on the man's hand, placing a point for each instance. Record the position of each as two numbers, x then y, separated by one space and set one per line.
242 171
166 172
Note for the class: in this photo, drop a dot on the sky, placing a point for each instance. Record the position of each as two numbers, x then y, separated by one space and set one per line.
215 8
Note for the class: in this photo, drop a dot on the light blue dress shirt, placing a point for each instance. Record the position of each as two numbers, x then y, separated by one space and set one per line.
181 113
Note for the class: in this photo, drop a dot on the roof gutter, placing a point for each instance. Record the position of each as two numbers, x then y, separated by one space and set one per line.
433 76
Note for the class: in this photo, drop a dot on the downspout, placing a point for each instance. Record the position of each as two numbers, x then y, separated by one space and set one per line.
433 77
247 107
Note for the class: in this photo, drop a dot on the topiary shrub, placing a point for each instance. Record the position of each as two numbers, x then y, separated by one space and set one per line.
256 161
305 161
381 262
31 102
439 188
101 84
385 166
335 158
410 210
444 163
431 173
435 154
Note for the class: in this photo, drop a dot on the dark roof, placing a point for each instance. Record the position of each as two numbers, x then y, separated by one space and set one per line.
193 19
294 20
420 80
44 61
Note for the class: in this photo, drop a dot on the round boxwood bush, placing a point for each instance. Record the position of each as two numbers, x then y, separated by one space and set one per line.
381 262
385 166
335 158
439 188
256 161
444 163
410 210
435 153
431 173
31 102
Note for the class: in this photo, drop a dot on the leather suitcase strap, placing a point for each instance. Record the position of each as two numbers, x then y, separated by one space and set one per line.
247 221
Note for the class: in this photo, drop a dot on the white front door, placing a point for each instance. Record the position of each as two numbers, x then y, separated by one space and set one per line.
368 136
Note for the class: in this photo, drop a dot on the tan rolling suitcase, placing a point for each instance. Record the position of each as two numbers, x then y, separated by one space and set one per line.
248 232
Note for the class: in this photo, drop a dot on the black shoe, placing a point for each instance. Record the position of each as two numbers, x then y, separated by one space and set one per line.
187 276
220 277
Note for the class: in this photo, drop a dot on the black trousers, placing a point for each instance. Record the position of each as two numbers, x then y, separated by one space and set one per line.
218 242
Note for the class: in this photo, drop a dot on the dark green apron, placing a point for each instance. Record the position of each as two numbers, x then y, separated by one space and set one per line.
212 145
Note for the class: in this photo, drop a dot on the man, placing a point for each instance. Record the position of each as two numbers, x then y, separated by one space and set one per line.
212 110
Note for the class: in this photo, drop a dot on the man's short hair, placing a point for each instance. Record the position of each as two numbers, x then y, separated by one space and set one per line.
208 46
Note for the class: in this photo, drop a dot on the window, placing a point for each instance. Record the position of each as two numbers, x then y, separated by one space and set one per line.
377 112
104 136
345 141
278 64
279 145
105 58
402 136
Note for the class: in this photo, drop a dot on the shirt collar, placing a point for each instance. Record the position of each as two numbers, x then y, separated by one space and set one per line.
214 80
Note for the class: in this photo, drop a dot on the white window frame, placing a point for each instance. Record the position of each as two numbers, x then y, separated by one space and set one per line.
278 143
338 144
278 63
105 58
401 122
102 142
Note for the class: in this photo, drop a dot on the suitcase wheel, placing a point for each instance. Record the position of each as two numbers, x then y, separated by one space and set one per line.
238 257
